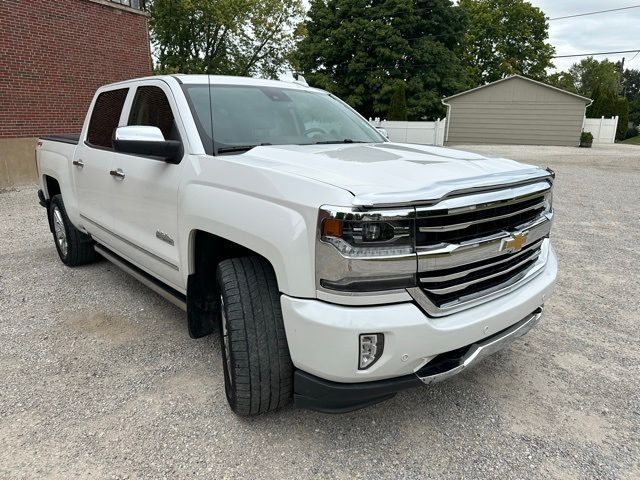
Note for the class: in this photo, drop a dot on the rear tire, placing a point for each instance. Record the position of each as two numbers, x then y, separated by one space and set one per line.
73 246
258 372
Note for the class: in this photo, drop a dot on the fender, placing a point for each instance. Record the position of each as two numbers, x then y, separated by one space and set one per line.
284 236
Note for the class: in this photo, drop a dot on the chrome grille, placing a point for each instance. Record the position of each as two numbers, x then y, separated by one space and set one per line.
477 221
468 246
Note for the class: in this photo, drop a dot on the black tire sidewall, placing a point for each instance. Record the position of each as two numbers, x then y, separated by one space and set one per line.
260 376
56 201
230 392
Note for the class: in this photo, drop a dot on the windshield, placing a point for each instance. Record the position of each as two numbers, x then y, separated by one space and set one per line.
247 116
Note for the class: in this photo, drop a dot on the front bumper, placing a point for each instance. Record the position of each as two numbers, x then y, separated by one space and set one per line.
332 397
323 338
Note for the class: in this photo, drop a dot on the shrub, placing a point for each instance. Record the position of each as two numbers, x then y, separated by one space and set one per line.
398 104
586 137
622 111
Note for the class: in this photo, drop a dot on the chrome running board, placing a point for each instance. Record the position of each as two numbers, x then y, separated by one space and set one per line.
157 286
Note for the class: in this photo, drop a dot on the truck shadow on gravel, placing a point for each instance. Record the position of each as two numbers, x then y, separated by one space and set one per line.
104 327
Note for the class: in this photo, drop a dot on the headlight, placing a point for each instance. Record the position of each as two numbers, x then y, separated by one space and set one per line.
364 251
548 201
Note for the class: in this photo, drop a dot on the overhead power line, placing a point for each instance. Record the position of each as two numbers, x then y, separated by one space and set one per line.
595 53
594 13
402 65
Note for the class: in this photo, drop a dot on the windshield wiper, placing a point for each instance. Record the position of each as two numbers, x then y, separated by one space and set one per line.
346 140
239 148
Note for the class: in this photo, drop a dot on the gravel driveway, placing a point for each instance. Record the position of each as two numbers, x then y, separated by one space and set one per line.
99 379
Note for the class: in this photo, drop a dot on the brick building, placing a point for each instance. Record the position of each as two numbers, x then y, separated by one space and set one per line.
53 56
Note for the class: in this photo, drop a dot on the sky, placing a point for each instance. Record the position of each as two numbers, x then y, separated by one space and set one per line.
604 32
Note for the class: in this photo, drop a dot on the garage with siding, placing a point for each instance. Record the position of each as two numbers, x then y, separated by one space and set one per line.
515 110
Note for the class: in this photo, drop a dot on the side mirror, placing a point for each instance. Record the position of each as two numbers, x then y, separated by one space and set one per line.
147 141
383 131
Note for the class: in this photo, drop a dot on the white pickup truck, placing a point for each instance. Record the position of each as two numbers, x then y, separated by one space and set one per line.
340 267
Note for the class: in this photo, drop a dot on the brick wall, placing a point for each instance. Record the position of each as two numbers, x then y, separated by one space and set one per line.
55 53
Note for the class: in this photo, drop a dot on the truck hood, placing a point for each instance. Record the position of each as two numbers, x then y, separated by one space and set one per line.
393 173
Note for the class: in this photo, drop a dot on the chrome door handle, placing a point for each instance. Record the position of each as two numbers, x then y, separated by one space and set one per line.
118 173
78 163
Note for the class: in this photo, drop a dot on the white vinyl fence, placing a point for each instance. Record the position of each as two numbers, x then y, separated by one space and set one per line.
432 133
602 129
425 133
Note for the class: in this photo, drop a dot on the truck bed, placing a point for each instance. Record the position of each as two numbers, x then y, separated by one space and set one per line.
71 138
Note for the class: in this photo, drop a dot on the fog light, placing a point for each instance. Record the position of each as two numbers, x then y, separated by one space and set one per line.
371 347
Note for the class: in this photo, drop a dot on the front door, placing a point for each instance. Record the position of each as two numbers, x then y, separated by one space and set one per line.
145 199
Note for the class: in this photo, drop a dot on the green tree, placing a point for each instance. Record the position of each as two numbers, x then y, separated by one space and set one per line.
631 91
235 37
398 105
604 102
360 49
631 84
505 37
590 73
562 80
634 111
607 104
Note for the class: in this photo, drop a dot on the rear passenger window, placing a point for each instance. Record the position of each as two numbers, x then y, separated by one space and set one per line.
151 108
105 117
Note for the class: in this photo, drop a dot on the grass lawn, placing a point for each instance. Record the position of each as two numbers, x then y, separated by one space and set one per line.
632 141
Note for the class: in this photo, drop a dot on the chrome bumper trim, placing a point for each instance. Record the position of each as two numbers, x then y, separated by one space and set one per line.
480 350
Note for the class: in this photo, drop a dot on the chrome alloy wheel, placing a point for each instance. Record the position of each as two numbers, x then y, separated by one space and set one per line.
225 339
60 231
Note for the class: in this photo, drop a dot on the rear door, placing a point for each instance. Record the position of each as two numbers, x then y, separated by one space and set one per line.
92 164
145 199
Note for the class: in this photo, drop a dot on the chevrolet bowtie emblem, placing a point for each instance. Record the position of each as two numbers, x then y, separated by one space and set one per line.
514 243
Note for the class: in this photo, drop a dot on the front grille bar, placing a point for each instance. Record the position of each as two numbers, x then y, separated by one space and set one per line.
463 285
472 299
428 278
484 200
455 255
461 226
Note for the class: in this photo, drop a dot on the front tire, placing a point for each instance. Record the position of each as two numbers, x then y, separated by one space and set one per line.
73 246
258 372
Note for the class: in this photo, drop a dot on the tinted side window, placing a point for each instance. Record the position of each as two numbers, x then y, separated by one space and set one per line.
151 108
105 117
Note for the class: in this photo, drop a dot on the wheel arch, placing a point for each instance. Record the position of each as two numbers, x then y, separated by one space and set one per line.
205 245
51 186
206 251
